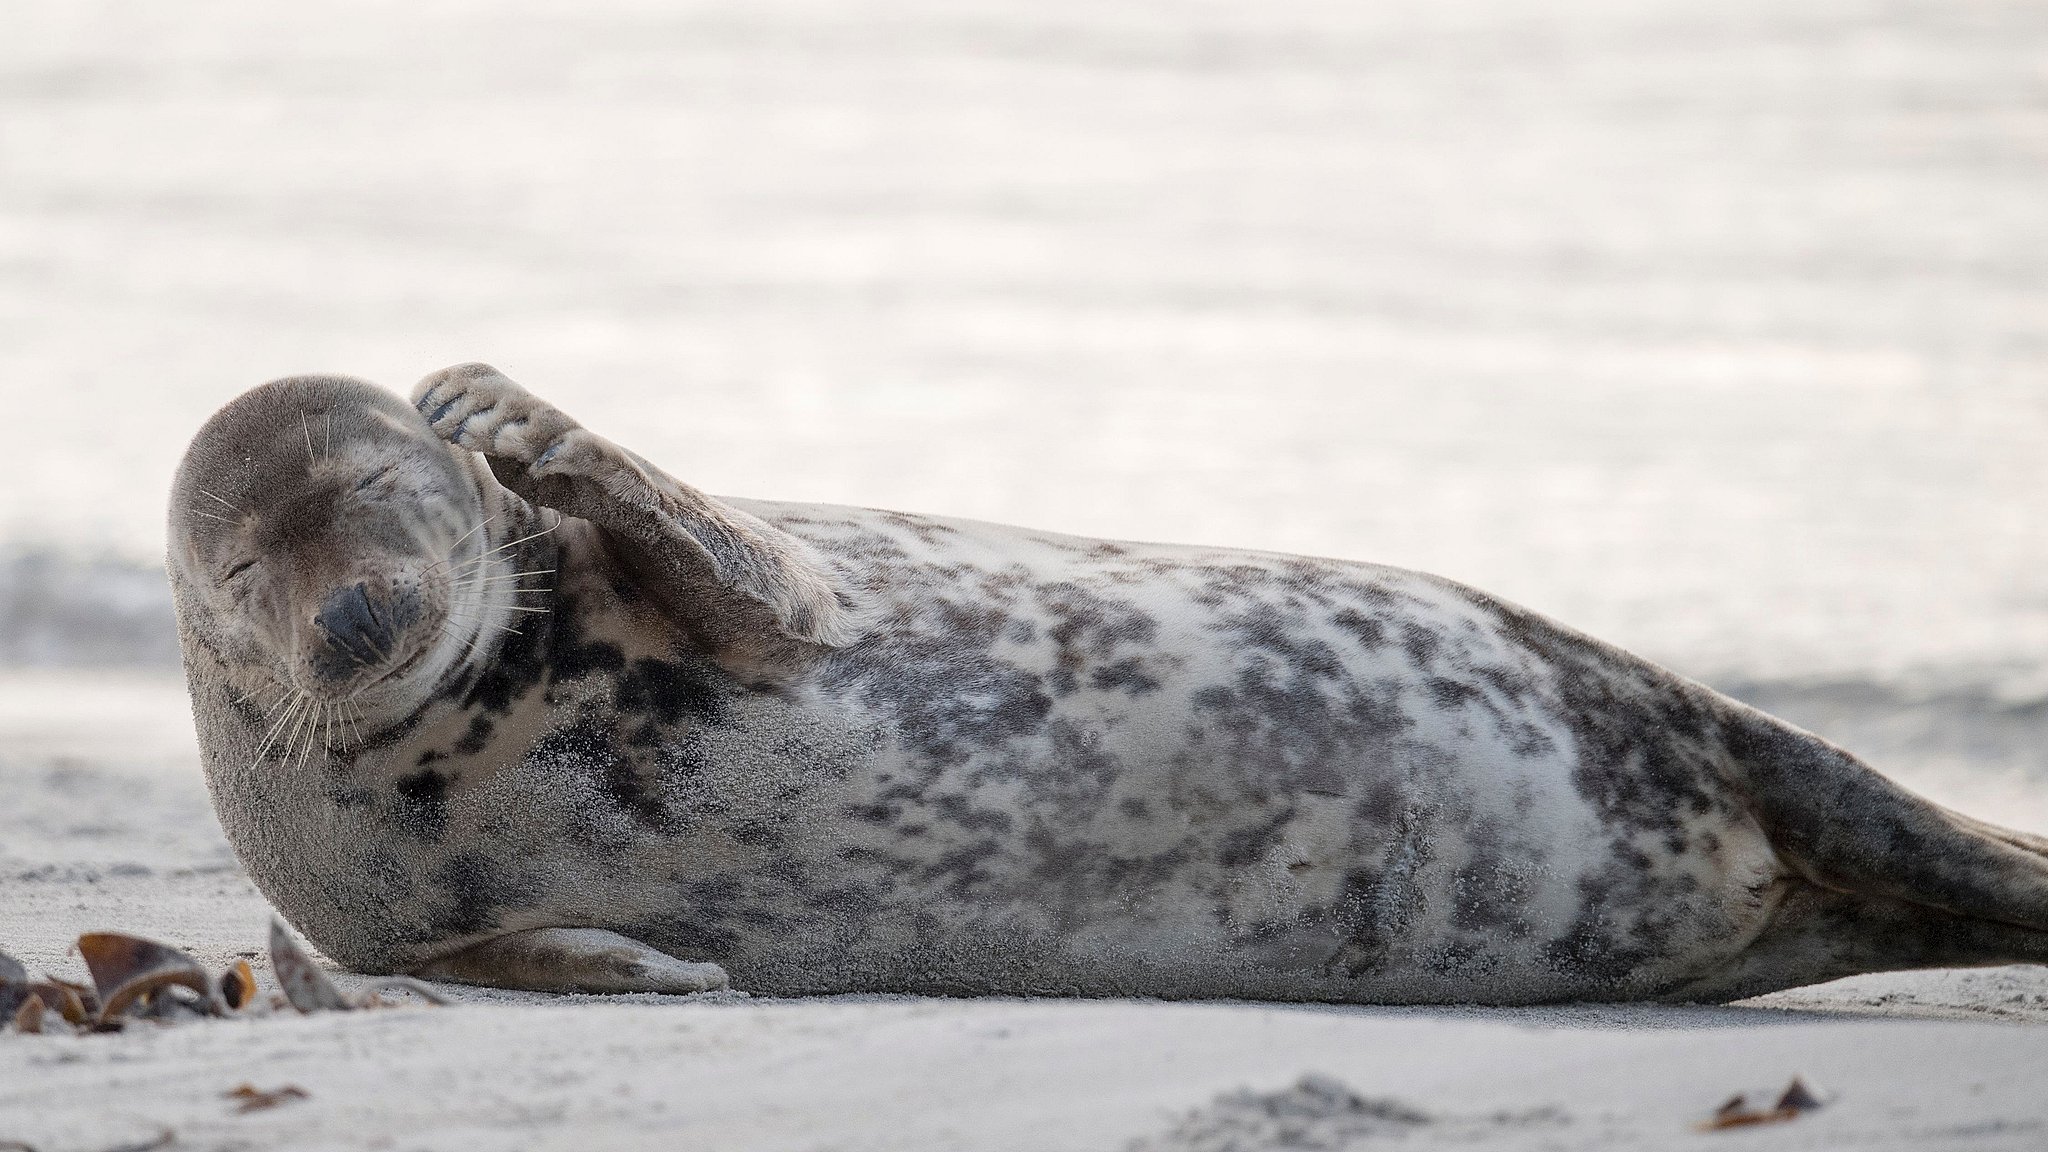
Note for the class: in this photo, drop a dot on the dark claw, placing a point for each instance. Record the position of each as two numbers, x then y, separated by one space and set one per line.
462 428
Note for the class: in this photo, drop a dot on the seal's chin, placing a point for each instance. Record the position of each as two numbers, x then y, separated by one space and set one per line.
372 682
401 670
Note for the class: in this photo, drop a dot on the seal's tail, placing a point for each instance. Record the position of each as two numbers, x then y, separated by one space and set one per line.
1849 829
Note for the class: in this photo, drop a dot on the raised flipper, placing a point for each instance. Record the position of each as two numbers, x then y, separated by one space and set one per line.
740 583
573 960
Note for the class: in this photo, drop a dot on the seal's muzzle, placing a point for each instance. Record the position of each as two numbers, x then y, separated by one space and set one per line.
358 632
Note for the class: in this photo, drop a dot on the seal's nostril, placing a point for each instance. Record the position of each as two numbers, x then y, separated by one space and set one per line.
353 624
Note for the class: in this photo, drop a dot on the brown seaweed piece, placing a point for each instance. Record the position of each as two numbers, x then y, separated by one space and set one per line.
304 984
254 1099
1797 1097
87 1000
60 998
1794 1102
29 1017
1737 1113
126 969
237 986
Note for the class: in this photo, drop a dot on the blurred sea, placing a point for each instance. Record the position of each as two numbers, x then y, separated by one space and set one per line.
1719 329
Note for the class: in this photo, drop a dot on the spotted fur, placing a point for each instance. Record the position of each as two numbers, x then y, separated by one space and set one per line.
838 749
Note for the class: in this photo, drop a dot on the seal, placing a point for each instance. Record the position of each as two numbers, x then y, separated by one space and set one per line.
485 697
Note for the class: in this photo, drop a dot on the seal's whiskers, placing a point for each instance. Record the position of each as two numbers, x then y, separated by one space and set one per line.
253 693
269 737
231 505
474 529
504 576
306 717
471 565
312 729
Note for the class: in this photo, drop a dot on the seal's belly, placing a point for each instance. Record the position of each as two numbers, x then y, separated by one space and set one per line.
1270 787
1270 777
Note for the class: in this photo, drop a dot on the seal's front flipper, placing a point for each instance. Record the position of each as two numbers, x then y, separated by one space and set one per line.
573 960
737 580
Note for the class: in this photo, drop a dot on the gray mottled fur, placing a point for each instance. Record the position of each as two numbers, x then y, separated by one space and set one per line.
835 749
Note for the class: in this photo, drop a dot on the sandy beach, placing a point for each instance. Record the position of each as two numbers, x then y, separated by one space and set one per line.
107 827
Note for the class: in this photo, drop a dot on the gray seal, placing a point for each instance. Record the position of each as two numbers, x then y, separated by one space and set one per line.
485 697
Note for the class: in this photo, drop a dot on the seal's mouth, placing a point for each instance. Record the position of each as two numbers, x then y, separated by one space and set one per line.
328 691
402 669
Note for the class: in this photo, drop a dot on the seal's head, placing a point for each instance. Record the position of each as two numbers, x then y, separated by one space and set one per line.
314 526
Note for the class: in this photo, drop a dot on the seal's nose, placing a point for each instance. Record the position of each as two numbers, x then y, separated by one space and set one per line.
353 625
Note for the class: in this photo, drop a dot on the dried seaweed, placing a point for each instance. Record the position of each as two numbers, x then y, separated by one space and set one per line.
1795 1101
237 986
86 1000
127 969
254 1099
135 978
304 984
68 1000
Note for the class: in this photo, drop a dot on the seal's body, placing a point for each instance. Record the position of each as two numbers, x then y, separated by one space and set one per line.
836 749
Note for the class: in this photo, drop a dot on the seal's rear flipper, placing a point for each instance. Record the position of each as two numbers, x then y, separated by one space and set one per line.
1846 828
572 960
1819 935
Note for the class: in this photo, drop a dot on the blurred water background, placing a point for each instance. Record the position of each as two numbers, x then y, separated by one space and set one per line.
1718 328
